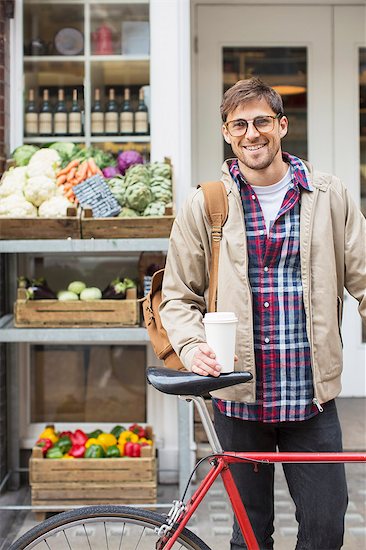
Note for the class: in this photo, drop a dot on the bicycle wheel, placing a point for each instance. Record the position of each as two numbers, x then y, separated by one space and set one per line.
104 527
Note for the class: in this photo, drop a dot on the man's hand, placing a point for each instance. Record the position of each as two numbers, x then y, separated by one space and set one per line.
204 361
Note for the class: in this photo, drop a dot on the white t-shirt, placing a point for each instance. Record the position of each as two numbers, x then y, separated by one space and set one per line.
270 198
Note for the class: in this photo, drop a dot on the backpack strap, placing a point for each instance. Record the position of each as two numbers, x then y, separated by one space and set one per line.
216 206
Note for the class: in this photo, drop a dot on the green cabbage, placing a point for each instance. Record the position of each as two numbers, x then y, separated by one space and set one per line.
23 154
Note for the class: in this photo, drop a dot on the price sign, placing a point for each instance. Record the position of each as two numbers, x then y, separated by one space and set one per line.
95 193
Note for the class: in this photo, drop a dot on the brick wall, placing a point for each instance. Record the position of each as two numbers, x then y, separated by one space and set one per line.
6 9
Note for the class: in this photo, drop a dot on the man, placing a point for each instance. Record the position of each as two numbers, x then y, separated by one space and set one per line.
292 241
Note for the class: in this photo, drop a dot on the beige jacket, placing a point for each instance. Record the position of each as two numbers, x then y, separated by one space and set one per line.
332 248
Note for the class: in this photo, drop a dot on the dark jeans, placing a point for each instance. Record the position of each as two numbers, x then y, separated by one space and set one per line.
319 491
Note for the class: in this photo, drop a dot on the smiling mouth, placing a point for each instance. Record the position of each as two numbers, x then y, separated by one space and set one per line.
254 147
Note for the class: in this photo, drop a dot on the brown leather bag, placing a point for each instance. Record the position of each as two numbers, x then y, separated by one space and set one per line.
216 206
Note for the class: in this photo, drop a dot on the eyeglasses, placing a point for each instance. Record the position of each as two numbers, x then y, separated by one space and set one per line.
239 127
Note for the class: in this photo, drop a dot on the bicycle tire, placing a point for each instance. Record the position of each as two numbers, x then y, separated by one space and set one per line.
102 527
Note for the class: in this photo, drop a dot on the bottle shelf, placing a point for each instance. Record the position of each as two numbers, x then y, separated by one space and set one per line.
53 58
52 139
120 139
93 139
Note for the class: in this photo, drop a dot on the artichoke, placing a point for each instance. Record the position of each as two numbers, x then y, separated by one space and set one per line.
128 213
154 209
138 196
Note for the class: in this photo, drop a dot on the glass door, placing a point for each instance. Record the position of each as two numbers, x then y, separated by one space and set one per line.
266 41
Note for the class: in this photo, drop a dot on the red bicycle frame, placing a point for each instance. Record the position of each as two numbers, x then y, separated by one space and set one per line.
220 466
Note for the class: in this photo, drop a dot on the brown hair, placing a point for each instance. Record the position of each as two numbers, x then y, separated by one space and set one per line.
246 90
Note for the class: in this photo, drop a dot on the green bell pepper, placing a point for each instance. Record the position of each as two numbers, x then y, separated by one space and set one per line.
117 430
94 451
94 434
54 452
113 452
64 444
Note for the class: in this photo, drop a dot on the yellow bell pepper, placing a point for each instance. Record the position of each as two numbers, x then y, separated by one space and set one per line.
67 456
121 447
127 435
49 433
106 440
91 441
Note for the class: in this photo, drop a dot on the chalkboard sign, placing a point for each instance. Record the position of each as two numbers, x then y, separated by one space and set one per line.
95 193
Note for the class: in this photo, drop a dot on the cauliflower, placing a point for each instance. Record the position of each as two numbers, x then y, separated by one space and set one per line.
37 169
15 206
56 207
39 189
13 181
46 156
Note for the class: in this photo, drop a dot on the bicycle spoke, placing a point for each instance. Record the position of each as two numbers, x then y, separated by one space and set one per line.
122 534
87 537
67 540
106 537
138 542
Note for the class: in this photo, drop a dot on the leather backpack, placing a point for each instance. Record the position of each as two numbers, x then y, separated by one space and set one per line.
216 207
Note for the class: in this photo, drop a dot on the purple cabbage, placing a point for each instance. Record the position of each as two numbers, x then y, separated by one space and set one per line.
111 172
126 159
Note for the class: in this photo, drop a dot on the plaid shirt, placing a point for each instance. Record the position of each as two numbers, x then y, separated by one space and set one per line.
284 388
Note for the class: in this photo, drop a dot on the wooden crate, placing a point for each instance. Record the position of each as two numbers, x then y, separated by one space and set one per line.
76 313
126 228
42 228
84 481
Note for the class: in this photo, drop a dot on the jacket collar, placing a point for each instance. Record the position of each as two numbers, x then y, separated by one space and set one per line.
301 171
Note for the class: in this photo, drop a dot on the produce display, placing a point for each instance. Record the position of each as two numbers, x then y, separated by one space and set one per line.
119 442
41 184
38 289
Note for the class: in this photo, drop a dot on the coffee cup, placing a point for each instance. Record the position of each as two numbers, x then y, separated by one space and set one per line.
220 329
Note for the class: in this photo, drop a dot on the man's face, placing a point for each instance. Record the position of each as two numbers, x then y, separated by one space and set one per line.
256 150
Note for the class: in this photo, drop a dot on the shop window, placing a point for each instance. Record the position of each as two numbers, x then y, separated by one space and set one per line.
285 69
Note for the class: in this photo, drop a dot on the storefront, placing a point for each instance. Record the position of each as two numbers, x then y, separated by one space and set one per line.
182 55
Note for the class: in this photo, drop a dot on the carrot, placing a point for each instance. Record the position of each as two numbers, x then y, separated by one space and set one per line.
70 194
61 179
71 174
82 170
92 166
67 168
67 186
89 173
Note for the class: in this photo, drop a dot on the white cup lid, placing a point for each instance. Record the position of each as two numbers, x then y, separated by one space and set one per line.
220 317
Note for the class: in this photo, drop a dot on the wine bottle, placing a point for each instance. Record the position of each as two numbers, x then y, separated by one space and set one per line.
45 116
111 115
141 116
31 116
75 120
97 115
126 115
60 116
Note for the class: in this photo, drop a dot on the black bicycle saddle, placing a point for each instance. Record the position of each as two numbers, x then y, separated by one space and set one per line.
188 383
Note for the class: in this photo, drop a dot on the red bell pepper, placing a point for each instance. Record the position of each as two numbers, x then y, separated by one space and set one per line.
137 429
128 448
45 444
77 451
136 450
78 437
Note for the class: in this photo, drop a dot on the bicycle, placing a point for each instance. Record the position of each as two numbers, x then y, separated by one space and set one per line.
124 528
